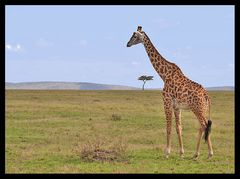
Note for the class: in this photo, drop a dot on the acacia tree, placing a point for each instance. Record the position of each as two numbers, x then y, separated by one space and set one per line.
145 78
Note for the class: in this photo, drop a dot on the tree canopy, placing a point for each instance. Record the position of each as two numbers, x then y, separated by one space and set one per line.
145 78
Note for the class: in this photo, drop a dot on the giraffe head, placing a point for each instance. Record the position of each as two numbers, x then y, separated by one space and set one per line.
136 38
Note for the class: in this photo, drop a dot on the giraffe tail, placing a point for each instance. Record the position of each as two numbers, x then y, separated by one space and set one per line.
207 130
209 122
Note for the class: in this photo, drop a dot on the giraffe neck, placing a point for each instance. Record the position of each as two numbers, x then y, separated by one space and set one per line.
163 67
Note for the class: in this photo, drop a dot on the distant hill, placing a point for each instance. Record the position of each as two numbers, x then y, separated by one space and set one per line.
87 86
218 88
221 88
65 86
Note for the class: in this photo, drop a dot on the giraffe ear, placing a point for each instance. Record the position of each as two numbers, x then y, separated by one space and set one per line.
139 29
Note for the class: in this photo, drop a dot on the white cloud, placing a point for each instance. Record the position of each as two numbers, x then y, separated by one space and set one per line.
164 24
230 15
44 43
180 54
135 63
231 66
18 47
14 48
83 42
188 47
8 47
109 37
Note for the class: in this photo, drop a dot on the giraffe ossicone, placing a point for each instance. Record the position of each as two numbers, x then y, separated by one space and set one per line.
178 92
139 28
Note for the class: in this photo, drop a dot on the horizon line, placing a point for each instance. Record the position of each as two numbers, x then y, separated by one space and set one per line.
104 83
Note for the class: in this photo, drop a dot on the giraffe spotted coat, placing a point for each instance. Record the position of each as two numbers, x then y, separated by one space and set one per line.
179 92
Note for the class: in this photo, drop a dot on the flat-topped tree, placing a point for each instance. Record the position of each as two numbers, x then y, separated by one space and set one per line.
145 78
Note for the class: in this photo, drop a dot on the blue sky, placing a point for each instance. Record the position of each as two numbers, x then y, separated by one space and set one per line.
88 43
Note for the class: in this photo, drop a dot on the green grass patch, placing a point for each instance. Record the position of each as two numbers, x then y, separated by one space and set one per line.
110 132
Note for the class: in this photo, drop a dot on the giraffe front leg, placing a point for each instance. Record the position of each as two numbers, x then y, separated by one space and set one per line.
169 130
177 113
168 113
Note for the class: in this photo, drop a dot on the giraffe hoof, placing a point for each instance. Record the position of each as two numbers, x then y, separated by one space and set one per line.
210 156
167 152
195 156
182 153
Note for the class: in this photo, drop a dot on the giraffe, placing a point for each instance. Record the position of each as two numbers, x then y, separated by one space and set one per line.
179 93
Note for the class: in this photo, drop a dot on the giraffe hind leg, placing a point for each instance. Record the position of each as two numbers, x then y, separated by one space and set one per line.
203 129
200 134
210 150
208 140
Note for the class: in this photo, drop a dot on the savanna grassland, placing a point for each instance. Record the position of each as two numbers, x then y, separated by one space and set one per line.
109 132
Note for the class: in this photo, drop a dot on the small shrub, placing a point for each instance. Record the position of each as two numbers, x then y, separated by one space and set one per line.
98 150
116 117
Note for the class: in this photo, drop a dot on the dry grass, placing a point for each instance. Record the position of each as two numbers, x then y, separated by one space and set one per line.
101 150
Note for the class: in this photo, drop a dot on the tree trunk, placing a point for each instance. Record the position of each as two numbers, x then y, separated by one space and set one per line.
143 85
